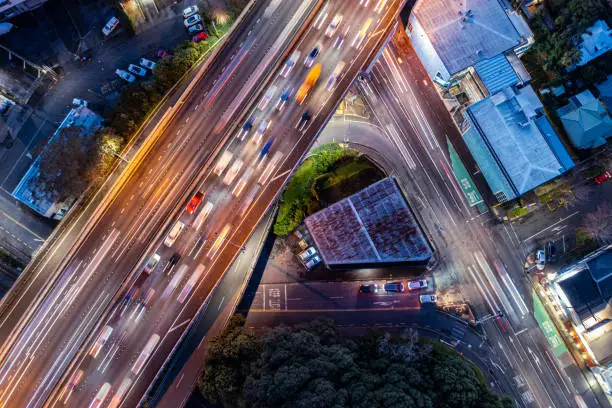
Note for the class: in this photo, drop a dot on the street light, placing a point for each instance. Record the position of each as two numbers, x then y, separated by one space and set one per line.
242 248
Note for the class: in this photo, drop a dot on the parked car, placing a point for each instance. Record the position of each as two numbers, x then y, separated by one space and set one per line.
199 37
196 28
417 284
148 64
368 288
126 76
190 11
305 255
303 244
314 261
428 298
192 20
138 70
540 259
161 53
79 102
110 26
394 287
551 252
606 175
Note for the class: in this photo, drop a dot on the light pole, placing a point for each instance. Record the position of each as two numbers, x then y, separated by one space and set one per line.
242 248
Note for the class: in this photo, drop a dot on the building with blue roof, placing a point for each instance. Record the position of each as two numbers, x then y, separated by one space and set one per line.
470 38
586 121
513 143
596 41
25 191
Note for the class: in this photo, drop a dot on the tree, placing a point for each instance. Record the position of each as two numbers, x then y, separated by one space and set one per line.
599 223
67 165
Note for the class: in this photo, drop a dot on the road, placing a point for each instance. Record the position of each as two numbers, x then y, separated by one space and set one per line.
134 224
475 255
147 198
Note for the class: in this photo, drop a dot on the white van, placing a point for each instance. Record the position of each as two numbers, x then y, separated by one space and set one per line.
174 233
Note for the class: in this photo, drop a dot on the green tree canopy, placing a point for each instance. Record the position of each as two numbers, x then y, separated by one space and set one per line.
312 365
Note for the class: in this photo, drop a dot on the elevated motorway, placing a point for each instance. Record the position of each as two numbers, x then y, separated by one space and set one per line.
99 294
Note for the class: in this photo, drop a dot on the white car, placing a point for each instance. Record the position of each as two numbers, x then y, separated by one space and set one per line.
233 172
293 59
151 263
333 25
540 260
148 64
267 98
314 261
126 76
428 298
307 254
135 69
261 130
417 284
110 26
190 11
334 75
380 5
192 20
174 233
79 102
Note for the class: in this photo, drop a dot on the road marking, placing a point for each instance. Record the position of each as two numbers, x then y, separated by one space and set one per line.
551 226
520 331
179 325
21 225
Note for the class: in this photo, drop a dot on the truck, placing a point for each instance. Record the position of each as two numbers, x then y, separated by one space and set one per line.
309 82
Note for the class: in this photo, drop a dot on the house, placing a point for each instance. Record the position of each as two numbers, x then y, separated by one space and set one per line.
477 40
586 121
596 41
584 290
25 192
12 8
605 93
374 227
513 143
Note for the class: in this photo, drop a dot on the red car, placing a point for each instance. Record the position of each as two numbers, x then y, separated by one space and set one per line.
163 54
602 177
199 37
195 201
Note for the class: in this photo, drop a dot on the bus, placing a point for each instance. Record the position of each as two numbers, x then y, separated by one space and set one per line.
145 354
190 284
118 397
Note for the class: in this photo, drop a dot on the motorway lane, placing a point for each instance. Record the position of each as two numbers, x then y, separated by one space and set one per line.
231 222
118 241
465 246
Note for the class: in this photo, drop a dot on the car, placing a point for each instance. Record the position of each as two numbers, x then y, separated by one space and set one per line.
151 263
333 25
334 75
110 26
194 202
174 233
364 3
606 175
148 64
293 59
380 5
222 163
126 76
551 252
312 56
233 172
266 147
246 127
285 96
192 20
540 260
303 120
394 287
303 244
196 28
261 130
174 260
361 34
368 288
135 69
79 102
101 340
199 37
307 254
428 298
203 215
314 261
339 41
161 53
266 98
190 11
417 284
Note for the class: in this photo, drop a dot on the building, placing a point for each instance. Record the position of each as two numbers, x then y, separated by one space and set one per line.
374 227
596 41
586 121
25 192
12 8
513 143
470 40
584 290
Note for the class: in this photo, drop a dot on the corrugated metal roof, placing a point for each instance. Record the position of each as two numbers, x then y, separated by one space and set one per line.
496 73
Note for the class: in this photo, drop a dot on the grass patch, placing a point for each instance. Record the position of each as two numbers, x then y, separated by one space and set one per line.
517 212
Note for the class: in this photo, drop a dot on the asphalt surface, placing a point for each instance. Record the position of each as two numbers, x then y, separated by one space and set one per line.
146 203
